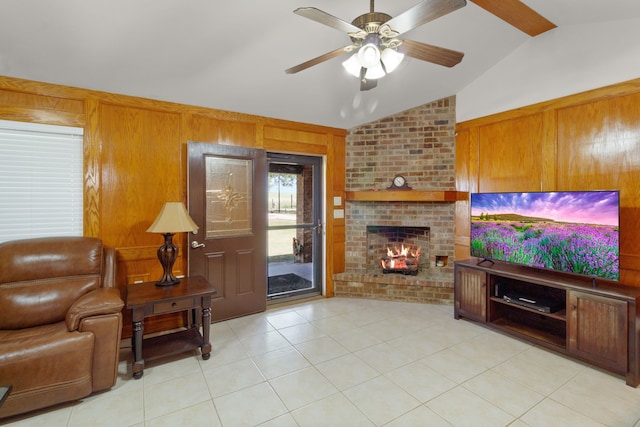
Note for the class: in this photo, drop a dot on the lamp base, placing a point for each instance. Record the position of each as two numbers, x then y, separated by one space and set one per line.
167 282
167 254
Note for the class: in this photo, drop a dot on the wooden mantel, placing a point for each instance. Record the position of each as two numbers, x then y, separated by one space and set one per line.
406 196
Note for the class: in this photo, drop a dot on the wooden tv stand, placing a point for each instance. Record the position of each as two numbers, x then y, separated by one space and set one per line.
594 321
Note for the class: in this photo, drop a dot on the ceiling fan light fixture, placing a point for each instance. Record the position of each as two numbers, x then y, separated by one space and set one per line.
352 65
391 59
369 53
375 72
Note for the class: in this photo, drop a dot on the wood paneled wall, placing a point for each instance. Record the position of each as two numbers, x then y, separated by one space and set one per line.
136 159
587 141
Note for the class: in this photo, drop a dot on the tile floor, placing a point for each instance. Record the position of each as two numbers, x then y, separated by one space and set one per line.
352 362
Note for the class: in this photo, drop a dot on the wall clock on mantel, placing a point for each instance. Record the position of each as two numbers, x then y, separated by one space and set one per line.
399 182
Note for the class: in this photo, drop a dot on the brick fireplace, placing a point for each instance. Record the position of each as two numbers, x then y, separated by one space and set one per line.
418 144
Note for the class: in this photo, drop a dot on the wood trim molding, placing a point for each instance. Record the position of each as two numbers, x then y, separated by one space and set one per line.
612 91
406 196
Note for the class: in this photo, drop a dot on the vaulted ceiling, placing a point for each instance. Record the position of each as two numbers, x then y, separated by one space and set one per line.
232 55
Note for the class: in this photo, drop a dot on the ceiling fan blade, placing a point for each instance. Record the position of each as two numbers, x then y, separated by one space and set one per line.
429 53
364 83
319 59
326 19
517 14
422 13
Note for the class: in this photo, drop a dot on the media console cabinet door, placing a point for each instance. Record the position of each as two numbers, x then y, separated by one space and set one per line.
598 329
470 297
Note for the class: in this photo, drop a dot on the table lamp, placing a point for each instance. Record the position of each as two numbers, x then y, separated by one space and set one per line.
173 218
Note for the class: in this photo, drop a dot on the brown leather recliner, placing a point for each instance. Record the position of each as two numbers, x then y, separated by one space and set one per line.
60 321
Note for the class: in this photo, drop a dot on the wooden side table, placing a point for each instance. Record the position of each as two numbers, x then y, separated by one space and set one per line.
146 299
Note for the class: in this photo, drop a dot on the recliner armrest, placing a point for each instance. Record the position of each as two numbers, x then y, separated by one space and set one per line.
97 302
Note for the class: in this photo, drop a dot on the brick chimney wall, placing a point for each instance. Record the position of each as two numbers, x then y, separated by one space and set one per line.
418 144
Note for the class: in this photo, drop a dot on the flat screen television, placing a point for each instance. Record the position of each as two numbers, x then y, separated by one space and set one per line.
568 231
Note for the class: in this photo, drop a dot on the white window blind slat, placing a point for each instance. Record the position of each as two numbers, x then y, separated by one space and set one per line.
41 181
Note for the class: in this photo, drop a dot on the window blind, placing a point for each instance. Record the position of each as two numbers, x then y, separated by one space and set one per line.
41 180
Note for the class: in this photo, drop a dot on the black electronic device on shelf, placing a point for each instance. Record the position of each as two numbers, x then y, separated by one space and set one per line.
544 305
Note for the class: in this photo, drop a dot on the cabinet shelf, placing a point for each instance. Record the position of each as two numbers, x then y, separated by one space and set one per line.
559 315
172 343
532 333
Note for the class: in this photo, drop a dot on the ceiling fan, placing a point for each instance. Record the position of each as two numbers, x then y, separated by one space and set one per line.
377 48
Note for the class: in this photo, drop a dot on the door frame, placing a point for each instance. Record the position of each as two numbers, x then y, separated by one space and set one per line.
320 212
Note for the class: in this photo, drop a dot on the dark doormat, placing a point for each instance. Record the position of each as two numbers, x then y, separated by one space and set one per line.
287 283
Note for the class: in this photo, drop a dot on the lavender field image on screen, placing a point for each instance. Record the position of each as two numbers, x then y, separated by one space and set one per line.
575 232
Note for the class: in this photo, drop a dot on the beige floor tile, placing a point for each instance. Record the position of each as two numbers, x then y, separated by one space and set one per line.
223 354
417 344
201 414
300 333
541 379
381 400
356 339
233 377
454 366
120 409
347 371
384 357
57 416
285 420
421 416
551 361
387 329
321 349
250 325
420 381
317 310
264 343
250 406
280 362
173 395
550 413
333 325
334 410
490 349
619 406
302 387
221 332
463 408
359 318
285 319
508 395
168 368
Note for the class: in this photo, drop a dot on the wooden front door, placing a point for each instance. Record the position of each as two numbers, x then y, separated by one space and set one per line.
227 199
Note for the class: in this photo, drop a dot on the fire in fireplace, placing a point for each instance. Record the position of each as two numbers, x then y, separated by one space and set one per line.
397 249
401 260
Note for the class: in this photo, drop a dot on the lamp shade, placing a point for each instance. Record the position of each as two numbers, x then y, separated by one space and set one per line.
369 55
352 65
391 59
173 218
375 72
